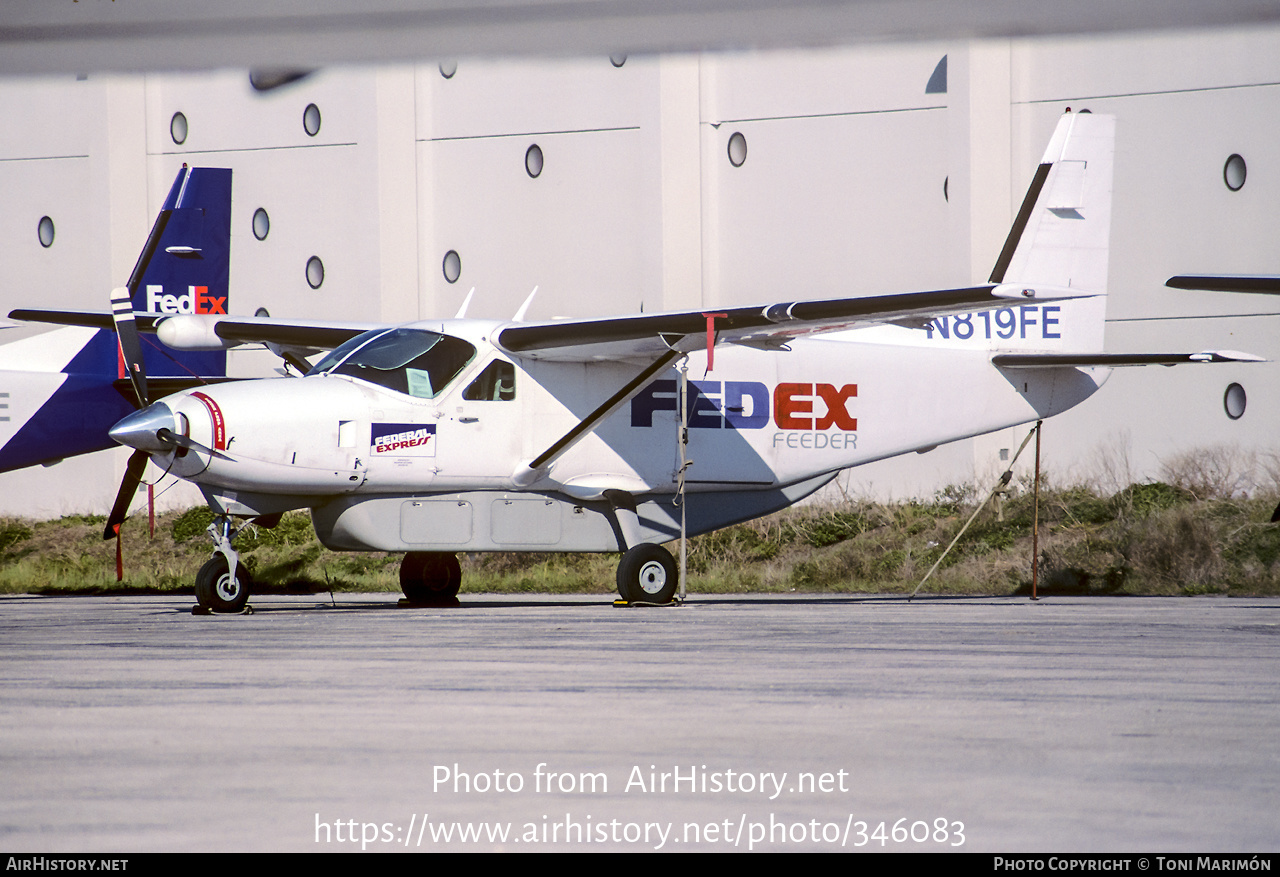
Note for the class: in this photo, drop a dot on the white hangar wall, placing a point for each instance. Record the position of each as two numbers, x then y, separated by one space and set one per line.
867 170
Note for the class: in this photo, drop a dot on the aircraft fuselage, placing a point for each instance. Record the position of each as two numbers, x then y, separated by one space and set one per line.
433 468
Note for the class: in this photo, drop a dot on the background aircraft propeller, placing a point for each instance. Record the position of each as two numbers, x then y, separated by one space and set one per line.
131 354
130 343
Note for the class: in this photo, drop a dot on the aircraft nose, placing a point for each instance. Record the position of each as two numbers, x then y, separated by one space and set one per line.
139 429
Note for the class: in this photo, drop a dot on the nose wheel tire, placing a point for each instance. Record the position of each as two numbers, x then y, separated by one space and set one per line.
647 574
430 576
217 591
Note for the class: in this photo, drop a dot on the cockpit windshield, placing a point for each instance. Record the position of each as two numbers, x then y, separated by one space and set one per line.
412 361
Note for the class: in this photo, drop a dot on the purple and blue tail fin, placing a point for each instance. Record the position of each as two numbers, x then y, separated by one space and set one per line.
183 268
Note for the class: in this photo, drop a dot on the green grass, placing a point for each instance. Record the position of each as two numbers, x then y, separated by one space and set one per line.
1150 538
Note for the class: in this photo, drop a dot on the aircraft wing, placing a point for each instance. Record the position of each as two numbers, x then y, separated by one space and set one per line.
323 335
649 335
641 336
1226 283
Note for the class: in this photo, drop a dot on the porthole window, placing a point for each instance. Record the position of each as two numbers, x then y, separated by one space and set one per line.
178 128
1234 172
533 160
1234 401
45 231
737 149
311 120
448 68
261 224
946 184
315 272
617 60
452 266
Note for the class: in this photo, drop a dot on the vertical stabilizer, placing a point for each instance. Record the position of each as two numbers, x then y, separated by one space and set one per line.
185 266
1062 232
1061 236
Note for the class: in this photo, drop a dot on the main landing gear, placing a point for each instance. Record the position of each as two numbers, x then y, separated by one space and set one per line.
430 577
647 574
222 584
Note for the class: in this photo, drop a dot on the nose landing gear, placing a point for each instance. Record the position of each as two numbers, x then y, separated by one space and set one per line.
222 584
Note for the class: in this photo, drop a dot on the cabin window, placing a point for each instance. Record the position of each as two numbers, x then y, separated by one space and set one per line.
497 383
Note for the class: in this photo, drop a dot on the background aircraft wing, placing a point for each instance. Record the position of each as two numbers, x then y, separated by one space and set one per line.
1226 282
1114 360
649 335
207 332
91 319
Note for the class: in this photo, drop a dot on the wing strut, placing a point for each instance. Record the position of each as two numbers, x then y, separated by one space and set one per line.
584 427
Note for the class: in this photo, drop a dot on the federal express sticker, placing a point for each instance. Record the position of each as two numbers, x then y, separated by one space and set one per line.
403 440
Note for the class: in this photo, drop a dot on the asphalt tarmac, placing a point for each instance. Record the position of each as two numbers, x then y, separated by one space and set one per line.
127 724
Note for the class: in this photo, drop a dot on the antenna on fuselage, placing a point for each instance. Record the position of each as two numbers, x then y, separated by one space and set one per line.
524 308
466 303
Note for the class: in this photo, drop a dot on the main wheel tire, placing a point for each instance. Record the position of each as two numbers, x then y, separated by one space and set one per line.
215 589
430 576
647 574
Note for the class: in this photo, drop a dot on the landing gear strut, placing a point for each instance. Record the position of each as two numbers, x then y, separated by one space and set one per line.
222 584
430 576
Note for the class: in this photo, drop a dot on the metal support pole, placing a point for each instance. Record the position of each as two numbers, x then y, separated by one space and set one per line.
1035 526
685 462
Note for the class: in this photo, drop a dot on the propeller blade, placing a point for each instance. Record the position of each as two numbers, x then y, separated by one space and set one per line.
130 343
128 487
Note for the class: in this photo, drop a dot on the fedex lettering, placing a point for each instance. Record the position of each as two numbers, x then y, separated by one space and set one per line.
1025 321
746 405
196 301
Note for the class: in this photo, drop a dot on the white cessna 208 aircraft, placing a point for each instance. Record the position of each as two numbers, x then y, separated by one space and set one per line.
475 435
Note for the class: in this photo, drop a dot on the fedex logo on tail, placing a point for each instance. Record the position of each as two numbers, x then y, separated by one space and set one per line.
196 301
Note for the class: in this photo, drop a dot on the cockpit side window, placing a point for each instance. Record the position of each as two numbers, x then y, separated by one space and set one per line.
412 361
497 383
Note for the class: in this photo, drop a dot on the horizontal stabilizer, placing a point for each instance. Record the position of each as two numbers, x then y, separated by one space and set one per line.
1268 285
1115 360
